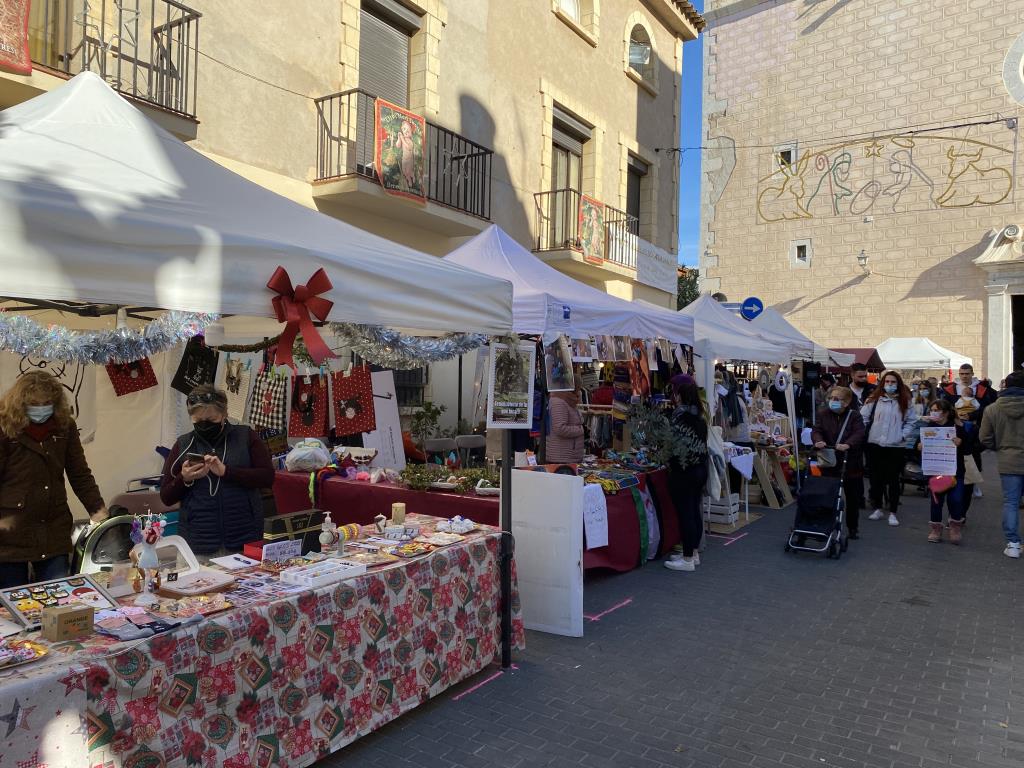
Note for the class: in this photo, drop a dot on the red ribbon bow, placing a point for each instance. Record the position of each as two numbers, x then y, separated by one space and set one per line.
294 306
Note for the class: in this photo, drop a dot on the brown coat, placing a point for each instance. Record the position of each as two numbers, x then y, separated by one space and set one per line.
564 444
35 520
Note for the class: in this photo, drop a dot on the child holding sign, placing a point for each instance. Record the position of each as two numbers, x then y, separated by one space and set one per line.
944 432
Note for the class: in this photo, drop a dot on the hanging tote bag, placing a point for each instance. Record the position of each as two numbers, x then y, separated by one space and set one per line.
198 366
131 377
268 404
353 402
308 416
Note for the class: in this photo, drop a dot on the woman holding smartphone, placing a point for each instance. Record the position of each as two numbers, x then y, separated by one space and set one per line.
216 472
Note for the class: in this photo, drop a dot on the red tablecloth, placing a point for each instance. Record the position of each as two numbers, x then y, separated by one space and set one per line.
353 501
623 550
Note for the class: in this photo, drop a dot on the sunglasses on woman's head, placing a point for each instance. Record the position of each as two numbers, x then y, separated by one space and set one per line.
204 397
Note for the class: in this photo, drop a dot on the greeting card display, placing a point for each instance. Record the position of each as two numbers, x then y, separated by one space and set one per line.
131 377
309 407
353 402
234 379
268 404
198 366
26 603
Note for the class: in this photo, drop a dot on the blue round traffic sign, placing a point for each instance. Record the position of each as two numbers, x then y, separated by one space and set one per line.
751 308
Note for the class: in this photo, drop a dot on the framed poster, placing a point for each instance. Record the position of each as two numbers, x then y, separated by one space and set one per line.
622 348
582 351
510 386
605 349
26 602
592 229
558 366
399 138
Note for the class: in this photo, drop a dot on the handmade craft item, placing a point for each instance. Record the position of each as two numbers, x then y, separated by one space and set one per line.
131 377
353 402
309 407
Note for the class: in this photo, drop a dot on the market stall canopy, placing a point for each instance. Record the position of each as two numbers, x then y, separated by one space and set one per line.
98 204
919 354
773 327
726 336
543 296
868 356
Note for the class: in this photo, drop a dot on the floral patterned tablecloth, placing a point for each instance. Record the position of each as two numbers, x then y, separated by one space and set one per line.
277 684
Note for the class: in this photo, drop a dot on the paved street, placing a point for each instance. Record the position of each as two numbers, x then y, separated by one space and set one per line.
903 653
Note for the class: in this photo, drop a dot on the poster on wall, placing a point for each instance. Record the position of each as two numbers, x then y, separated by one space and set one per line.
14 55
510 386
592 229
558 366
399 139
387 437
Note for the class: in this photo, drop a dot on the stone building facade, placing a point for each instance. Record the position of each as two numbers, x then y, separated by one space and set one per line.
862 168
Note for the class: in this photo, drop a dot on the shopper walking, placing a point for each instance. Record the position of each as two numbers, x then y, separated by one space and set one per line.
942 414
1002 431
39 448
687 469
889 423
839 426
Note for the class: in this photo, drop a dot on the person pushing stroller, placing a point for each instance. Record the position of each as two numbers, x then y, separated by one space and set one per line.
840 426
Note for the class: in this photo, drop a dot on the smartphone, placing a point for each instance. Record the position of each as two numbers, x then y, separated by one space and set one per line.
195 458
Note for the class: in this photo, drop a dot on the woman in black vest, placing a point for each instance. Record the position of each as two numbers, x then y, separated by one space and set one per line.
216 472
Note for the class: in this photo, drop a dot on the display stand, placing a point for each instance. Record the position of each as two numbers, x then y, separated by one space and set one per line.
768 466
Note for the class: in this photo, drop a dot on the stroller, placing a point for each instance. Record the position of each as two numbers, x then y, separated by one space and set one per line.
820 515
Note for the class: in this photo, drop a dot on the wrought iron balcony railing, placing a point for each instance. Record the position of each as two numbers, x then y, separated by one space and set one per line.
146 49
558 227
457 170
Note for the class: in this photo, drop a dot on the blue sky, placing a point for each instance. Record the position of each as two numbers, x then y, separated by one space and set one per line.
689 170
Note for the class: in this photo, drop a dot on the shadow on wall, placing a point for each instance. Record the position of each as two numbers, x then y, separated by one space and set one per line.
813 6
795 305
507 210
952 277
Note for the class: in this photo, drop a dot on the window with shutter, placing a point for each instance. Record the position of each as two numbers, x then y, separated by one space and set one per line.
383 57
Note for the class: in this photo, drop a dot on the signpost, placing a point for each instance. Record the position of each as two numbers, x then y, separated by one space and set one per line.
751 308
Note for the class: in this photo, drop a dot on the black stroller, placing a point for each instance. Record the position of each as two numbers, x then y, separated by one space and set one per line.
820 516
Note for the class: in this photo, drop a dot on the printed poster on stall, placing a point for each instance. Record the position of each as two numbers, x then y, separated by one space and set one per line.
387 437
510 386
938 454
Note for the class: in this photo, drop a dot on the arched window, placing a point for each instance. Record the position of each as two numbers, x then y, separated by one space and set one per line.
641 53
570 8
580 15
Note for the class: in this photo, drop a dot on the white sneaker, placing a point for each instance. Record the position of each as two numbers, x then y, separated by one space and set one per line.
977 491
893 520
696 558
681 565
876 515
1012 550
674 556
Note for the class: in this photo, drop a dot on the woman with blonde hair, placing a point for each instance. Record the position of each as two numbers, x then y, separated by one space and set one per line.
39 446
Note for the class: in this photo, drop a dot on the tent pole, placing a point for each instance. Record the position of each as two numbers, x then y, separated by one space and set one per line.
507 548
459 416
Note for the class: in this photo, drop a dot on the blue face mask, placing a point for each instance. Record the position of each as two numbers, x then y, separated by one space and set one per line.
37 414
891 389
835 405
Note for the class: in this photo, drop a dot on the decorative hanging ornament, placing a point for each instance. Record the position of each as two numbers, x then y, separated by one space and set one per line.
24 336
390 349
782 380
293 307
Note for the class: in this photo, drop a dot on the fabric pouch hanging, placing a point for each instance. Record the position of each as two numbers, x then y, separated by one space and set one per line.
268 404
131 377
308 416
198 366
353 402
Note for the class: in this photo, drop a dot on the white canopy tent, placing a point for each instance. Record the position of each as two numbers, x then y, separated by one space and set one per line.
772 326
919 354
99 204
721 334
542 294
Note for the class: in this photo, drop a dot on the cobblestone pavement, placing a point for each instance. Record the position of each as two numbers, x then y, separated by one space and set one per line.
903 653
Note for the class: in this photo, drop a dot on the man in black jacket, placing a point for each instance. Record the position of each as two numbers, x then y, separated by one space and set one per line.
859 384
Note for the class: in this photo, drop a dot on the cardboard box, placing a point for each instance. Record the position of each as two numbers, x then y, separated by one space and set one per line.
67 622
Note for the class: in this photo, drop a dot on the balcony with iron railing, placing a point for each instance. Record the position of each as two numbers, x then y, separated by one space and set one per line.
148 50
457 171
559 232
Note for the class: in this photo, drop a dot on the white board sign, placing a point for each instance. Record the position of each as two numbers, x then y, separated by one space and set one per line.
547 522
387 438
938 454
595 516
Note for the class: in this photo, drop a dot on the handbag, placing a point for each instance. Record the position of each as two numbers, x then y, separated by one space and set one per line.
268 404
940 484
827 456
198 366
972 475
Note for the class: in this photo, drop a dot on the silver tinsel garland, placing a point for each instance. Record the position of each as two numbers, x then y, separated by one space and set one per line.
390 349
24 336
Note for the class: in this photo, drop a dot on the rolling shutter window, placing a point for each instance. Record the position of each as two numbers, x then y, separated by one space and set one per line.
383 59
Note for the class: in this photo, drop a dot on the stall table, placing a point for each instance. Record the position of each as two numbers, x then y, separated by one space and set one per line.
355 501
280 683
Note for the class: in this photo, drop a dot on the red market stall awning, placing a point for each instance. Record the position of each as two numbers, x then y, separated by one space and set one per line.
866 355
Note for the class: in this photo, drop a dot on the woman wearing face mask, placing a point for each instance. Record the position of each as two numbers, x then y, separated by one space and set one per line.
216 472
890 422
39 446
941 413
840 426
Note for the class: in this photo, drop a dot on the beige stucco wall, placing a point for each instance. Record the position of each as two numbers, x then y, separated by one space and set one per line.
488 70
828 77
